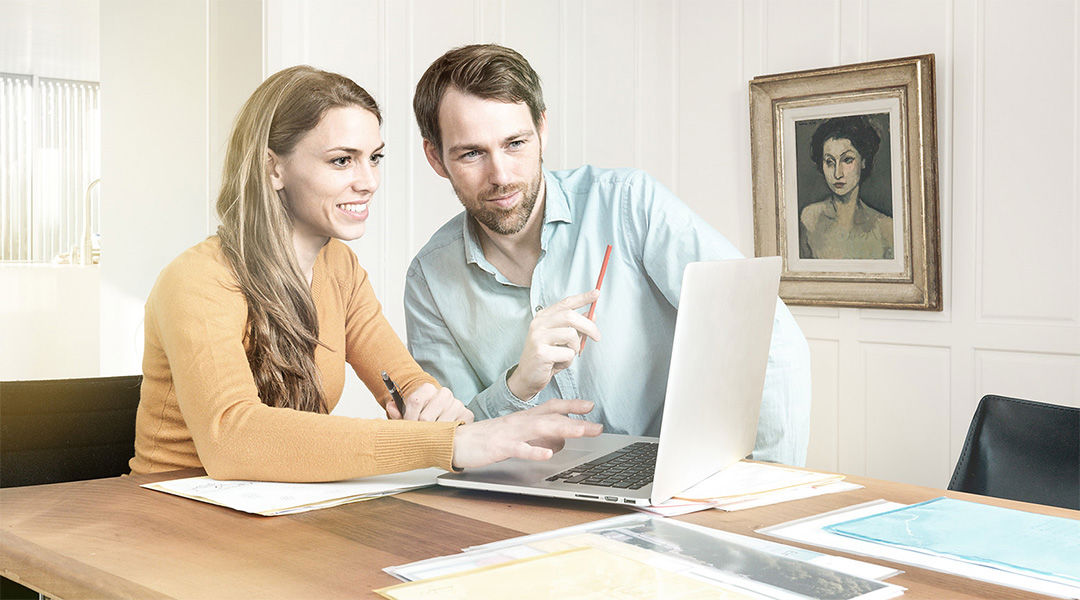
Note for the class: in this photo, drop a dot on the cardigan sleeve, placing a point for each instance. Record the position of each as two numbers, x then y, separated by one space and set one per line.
371 344
200 316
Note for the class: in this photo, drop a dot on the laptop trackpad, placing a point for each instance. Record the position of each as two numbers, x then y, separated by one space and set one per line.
525 472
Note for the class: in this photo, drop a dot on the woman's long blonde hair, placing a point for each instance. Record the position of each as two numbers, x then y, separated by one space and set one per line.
256 231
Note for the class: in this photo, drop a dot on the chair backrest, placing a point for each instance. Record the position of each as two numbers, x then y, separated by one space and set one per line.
1022 450
66 429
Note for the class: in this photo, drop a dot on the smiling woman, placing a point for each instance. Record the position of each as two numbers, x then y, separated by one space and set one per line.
248 332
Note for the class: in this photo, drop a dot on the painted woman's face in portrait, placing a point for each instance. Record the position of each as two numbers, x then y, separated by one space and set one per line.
842 165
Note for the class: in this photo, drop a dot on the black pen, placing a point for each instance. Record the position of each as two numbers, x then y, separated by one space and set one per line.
394 393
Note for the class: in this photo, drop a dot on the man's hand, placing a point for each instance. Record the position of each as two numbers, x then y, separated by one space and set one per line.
552 344
533 434
430 404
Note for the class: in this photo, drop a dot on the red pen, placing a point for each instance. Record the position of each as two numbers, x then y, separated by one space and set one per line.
599 282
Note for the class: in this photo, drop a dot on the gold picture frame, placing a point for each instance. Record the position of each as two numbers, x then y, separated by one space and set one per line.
845 183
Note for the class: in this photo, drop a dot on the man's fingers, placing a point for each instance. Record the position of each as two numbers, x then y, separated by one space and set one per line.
584 326
577 301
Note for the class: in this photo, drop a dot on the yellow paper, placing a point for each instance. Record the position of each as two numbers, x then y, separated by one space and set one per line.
584 572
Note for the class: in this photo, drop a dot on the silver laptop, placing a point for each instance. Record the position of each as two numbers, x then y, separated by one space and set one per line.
718 358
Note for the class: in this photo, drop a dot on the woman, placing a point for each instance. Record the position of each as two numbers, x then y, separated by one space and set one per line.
842 226
248 332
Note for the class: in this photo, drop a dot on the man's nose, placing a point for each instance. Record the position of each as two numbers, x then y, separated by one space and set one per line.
499 169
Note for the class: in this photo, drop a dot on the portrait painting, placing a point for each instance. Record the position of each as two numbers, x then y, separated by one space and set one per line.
845 186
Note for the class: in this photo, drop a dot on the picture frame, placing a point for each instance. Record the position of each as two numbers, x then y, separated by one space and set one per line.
845 183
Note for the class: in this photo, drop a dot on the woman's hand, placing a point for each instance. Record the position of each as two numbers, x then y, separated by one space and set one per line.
429 403
533 434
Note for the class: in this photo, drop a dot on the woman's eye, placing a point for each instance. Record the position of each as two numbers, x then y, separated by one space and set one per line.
341 161
848 160
377 158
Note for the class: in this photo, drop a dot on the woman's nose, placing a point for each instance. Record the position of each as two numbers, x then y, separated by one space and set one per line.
365 179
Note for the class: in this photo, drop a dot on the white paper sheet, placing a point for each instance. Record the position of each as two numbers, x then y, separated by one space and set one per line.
268 498
749 478
676 507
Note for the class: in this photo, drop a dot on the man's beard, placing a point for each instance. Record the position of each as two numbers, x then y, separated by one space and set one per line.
506 221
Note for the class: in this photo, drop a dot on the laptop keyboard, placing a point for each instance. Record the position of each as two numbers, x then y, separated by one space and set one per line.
630 467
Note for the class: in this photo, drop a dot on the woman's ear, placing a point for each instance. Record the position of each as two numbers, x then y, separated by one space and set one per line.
274 170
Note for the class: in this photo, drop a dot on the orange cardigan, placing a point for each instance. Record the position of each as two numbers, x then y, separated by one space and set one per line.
199 406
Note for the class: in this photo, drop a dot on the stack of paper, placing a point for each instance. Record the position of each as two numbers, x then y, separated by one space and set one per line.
640 556
268 498
748 485
1002 546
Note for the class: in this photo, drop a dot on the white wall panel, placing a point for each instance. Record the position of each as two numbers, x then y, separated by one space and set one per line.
824 373
1052 378
711 108
894 29
1028 212
655 134
436 26
907 415
610 98
155 167
529 27
803 35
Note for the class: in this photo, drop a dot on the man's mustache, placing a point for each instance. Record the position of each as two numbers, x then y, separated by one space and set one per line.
503 191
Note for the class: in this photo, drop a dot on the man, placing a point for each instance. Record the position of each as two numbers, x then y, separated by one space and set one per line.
493 300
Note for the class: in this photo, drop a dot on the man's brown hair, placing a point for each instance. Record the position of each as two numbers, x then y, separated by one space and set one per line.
489 71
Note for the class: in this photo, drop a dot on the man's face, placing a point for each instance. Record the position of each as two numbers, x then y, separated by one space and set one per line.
491 153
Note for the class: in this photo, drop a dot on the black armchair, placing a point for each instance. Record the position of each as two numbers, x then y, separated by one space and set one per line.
1022 450
66 429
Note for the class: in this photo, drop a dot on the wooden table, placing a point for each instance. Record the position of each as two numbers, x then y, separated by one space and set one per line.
109 538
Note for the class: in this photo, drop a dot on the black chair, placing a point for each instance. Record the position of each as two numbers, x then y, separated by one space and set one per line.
1022 450
59 430
66 429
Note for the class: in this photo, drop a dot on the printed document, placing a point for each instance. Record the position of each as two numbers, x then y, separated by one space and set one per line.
270 498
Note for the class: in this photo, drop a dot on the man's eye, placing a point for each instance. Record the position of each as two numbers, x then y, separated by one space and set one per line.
341 161
471 154
517 143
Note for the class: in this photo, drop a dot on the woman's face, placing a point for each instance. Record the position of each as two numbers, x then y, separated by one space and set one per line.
842 165
330 176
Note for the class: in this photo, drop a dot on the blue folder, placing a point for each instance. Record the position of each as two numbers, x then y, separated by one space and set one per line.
991 535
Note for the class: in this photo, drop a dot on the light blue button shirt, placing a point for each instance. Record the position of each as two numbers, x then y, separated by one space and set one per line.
467 322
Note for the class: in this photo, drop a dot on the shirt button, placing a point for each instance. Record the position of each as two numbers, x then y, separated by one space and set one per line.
538 308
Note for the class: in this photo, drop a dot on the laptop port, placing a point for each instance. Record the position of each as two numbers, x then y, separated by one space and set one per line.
629 501
587 496
611 498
